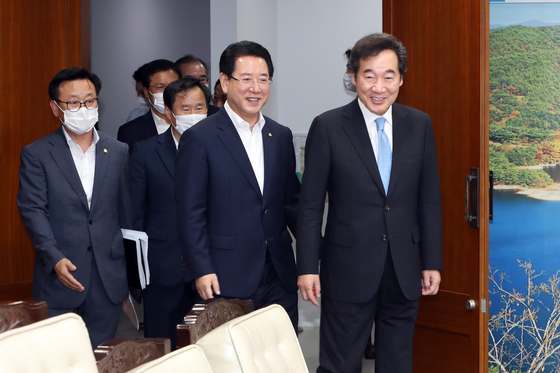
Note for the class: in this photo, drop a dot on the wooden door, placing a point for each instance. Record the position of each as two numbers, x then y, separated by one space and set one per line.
37 40
447 43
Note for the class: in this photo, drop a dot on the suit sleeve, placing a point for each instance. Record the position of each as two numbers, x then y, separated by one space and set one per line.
430 206
125 219
32 201
138 187
312 199
191 196
292 189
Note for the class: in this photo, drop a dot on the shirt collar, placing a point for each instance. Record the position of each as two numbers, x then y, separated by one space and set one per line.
71 140
157 120
174 139
239 122
370 117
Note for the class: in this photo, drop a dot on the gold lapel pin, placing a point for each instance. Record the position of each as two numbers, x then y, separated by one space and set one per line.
270 134
105 150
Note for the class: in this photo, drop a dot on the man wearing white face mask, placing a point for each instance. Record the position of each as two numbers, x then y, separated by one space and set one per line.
156 75
143 102
72 196
152 188
348 76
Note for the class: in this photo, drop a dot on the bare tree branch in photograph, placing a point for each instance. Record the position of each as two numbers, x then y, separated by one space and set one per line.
518 339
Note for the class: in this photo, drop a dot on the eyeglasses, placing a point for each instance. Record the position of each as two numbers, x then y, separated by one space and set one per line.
76 105
158 88
247 82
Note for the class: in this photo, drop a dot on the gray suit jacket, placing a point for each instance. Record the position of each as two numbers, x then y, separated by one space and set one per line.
55 211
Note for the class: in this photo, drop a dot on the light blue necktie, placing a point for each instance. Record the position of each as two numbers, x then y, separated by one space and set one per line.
384 156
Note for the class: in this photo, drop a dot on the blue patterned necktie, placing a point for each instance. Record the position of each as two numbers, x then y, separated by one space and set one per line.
384 156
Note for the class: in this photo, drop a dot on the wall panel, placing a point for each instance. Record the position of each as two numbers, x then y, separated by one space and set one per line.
36 41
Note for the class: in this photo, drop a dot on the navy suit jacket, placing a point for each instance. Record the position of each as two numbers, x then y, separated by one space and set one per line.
136 130
152 194
55 211
225 223
362 221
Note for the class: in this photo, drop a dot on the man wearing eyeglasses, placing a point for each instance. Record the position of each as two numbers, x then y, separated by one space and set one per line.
237 191
72 196
156 75
194 67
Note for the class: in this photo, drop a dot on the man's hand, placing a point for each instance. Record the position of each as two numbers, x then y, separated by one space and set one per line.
207 285
62 269
310 287
430 282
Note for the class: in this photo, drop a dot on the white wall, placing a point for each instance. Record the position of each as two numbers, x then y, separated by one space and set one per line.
306 40
312 37
125 34
223 32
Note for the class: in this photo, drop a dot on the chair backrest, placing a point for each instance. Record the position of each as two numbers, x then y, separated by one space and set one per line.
120 355
190 359
208 315
16 314
260 342
58 344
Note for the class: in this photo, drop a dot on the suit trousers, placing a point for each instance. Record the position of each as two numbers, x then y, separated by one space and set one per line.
164 308
98 311
346 327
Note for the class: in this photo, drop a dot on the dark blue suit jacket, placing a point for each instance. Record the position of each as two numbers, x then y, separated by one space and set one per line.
362 220
54 209
152 194
225 223
136 130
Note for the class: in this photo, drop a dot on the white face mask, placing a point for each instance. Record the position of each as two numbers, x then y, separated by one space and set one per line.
81 121
348 84
184 122
143 103
158 102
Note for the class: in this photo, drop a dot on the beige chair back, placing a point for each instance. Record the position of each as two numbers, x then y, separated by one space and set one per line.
59 344
262 341
189 359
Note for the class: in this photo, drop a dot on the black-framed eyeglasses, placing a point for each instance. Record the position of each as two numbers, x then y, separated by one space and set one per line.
247 82
76 105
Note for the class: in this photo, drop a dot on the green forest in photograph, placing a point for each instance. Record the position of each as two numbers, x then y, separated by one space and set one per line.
524 104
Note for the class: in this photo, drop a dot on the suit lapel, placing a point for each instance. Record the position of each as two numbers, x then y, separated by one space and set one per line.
63 158
149 126
232 142
269 150
167 151
102 158
403 132
355 128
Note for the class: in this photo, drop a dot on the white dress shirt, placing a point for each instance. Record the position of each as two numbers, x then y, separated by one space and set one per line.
84 162
370 118
252 141
161 124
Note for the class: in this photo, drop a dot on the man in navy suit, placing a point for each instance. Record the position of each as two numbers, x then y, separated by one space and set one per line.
237 191
382 248
72 197
169 297
156 75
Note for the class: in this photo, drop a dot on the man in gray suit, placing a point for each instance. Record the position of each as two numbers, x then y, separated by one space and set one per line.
72 197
